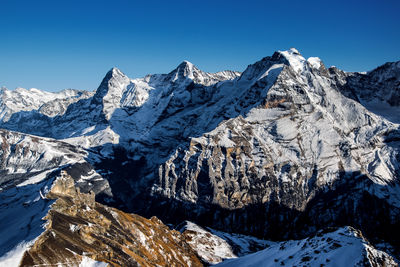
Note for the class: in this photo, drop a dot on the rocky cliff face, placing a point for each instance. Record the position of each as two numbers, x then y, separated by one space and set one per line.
79 227
27 159
281 150
286 138
79 232
303 143
29 165
24 157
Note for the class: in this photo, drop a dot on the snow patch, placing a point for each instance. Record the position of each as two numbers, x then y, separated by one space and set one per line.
296 60
14 257
210 248
88 262
73 227
37 178
315 62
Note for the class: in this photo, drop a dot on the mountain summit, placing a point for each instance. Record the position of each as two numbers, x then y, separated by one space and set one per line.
282 150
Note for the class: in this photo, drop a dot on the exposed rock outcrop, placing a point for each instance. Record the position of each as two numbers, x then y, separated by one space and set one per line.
79 227
280 151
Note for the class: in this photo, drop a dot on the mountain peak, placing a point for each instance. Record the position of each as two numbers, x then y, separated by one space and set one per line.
295 59
315 62
294 51
186 64
112 85
115 71
291 57
184 70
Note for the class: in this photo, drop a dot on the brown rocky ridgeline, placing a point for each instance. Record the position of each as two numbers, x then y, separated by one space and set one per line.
77 227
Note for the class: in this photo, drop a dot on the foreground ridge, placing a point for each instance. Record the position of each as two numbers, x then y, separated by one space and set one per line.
78 228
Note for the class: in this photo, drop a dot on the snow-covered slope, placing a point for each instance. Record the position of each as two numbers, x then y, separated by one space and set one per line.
49 104
79 231
289 140
29 165
378 90
214 246
342 247
279 151
27 159
211 248
21 212
103 118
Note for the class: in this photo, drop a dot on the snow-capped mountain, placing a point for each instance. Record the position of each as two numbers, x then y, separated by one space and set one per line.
297 140
281 150
27 159
46 103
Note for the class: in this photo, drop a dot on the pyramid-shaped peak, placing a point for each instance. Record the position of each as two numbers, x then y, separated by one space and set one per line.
114 81
291 58
187 67
184 70
186 63
115 71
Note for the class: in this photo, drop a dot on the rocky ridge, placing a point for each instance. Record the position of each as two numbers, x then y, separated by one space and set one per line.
79 227
26 159
45 103
281 150
80 231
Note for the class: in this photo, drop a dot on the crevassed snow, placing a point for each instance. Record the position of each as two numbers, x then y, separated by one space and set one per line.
99 138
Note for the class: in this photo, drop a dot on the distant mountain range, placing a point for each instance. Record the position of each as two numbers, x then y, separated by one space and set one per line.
282 151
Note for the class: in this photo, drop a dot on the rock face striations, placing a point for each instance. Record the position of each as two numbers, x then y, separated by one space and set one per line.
77 227
305 155
281 150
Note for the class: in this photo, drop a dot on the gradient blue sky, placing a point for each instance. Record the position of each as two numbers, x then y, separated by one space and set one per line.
53 45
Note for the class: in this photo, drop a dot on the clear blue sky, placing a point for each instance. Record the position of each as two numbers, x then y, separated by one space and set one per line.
60 44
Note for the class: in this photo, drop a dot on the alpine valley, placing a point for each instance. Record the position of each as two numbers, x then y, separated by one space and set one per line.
287 163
